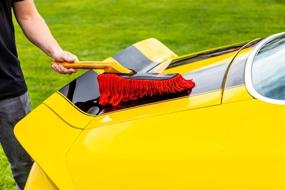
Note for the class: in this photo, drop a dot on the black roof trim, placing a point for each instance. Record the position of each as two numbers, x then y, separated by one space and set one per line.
205 55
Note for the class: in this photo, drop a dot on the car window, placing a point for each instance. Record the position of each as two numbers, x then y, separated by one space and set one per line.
268 69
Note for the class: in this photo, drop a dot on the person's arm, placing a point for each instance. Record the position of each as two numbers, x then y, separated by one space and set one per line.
37 31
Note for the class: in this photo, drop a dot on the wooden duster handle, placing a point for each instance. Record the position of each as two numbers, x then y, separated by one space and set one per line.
107 66
87 65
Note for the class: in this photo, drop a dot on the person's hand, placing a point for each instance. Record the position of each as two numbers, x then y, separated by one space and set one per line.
63 56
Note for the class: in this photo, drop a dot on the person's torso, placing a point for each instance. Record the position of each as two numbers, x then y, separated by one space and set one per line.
11 77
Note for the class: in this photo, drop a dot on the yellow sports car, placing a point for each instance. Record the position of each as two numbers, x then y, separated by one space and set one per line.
228 134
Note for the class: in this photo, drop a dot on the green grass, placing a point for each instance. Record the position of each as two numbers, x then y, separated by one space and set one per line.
95 30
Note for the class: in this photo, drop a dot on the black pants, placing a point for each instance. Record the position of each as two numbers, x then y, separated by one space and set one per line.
11 111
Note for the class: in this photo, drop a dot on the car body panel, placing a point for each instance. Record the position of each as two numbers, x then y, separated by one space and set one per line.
161 152
39 180
154 109
74 117
154 50
235 94
218 137
47 138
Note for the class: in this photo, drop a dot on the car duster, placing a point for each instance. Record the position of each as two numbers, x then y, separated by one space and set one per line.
227 134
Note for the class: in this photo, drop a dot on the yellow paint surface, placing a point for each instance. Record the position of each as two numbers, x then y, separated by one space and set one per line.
154 50
38 180
47 138
231 146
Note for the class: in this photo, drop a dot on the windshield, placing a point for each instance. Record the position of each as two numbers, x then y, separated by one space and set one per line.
268 69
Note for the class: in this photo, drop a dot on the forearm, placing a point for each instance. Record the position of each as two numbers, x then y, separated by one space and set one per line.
37 31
